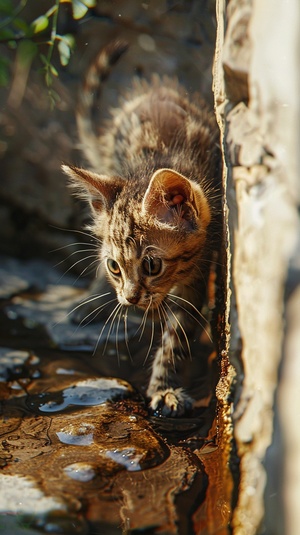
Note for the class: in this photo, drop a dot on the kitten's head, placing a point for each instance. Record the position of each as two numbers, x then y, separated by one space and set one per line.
152 233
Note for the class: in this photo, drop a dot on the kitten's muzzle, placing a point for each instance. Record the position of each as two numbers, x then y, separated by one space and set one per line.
131 295
133 300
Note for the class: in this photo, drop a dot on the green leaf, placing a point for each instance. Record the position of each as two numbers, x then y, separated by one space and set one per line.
43 59
53 70
79 9
65 46
64 52
89 3
69 39
40 24
51 11
48 78
54 97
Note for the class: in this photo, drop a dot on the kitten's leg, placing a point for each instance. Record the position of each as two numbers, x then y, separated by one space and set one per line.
165 395
183 322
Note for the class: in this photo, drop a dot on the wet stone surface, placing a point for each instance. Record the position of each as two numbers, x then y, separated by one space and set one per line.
79 451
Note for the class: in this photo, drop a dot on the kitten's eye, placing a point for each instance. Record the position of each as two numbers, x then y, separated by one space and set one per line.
113 267
152 266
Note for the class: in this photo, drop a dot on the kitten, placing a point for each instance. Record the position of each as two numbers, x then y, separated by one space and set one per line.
152 193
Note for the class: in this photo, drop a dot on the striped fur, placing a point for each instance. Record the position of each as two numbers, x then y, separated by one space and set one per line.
152 191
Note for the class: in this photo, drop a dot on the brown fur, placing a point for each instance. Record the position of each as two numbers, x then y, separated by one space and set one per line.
154 205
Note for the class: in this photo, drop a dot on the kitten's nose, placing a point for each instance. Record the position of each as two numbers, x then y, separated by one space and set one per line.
133 299
132 293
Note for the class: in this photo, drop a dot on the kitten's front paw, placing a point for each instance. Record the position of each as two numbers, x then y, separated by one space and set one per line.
171 402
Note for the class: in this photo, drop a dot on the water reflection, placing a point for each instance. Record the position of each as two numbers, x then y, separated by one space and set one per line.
87 439
83 393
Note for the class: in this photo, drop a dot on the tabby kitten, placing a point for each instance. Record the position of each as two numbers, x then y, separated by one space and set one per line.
153 201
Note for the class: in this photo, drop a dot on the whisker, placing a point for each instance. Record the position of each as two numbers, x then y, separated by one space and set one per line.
210 262
78 262
160 321
117 309
181 328
190 314
143 322
126 333
94 313
152 332
101 332
117 332
101 262
200 271
86 301
78 251
151 248
167 320
74 244
76 231
188 303
87 267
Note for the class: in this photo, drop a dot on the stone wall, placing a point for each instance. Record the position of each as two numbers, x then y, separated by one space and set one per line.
256 82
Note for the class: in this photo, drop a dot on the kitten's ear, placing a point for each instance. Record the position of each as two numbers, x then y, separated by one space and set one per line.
100 190
174 199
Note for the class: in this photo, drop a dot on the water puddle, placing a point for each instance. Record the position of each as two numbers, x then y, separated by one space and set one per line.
80 471
129 458
88 392
80 453
83 436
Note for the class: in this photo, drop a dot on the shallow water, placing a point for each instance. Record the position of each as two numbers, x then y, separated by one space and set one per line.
80 452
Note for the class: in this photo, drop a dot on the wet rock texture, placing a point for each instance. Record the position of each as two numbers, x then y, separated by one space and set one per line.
79 451
257 96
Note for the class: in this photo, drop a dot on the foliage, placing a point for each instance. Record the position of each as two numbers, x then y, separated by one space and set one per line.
28 38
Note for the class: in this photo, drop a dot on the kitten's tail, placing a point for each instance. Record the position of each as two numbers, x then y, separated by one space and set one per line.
89 94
